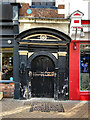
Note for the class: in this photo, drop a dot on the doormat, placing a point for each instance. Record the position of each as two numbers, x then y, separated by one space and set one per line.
46 107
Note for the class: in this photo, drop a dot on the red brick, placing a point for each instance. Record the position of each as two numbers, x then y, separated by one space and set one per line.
7 89
40 12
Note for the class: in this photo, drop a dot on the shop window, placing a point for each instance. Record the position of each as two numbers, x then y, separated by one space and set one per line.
85 67
7 65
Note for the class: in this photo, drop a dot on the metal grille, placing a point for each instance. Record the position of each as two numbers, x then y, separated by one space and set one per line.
46 107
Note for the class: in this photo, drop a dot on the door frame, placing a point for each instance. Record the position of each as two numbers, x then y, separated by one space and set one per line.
20 43
40 85
40 53
52 57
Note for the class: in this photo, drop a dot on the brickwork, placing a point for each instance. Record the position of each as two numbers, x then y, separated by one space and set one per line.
23 9
7 89
61 6
40 12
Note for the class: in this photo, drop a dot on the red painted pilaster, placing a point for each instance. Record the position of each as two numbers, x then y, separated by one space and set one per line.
74 71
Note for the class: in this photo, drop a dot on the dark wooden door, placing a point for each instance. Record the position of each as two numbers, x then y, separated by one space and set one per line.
42 82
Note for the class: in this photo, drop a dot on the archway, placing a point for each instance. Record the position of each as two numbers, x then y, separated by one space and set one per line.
26 35
36 43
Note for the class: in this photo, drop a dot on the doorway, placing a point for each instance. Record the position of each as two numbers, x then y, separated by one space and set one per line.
42 81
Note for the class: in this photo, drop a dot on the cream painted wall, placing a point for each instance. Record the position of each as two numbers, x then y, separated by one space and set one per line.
60 26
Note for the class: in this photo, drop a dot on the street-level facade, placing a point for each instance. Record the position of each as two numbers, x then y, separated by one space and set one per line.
51 51
79 58
8 30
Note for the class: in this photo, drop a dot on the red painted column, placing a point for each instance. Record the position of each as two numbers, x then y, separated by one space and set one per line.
74 72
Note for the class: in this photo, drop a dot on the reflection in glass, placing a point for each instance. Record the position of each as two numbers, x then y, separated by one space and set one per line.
7 66
85 67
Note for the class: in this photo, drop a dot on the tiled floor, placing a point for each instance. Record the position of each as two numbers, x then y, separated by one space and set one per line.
20 109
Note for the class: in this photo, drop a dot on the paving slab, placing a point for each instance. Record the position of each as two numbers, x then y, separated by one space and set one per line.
21 109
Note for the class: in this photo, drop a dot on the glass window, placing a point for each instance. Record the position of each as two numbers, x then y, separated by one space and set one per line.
7 65
7 1
85 67
43 2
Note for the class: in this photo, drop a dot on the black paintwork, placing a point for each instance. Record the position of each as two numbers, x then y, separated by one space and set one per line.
42 83
44 86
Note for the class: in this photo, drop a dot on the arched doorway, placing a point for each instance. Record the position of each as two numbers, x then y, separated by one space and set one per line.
33 48
42 81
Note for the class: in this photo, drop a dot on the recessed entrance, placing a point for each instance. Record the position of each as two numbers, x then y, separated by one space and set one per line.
42 81
41 52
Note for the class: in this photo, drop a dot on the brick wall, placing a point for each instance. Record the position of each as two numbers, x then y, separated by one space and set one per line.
23 9
7 89
40 12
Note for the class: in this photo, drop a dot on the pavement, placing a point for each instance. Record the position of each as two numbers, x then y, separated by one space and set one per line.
11 108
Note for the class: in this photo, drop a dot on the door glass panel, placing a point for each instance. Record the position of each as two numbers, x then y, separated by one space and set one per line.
85 67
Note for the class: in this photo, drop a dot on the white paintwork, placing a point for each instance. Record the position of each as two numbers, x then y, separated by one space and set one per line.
77 25
81 5
1 95
86 29
56 55
56 24
24 1
30 53
73 5
21 52
61 11
66 11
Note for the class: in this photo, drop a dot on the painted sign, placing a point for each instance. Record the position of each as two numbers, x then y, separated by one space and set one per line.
29 11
